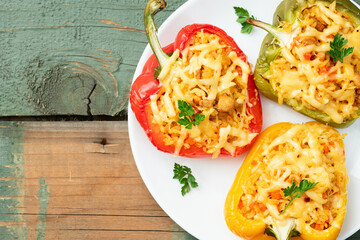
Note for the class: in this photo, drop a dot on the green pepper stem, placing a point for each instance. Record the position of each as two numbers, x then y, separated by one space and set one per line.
284 232
276 32
153 7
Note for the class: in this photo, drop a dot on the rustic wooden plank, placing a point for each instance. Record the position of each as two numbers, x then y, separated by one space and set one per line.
66 180
70 57
116 235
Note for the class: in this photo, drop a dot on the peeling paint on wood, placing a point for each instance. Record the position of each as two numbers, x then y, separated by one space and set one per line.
43 196
16 232
12 181
44 41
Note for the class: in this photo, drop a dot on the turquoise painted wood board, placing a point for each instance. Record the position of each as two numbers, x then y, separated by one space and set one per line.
62 57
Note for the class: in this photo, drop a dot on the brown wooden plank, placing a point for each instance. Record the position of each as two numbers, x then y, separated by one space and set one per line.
94 188
92 176
116 235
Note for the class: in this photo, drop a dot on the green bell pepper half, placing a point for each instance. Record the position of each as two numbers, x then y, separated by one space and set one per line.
288 11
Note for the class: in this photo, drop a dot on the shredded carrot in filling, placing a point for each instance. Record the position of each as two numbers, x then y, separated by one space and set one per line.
304 71
213 80
297 154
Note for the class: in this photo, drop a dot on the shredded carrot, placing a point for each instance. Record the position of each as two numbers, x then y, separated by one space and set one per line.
307 56
262 207
324 196
252 205
190 141
253 163
241 204
326 149
323 69
319 226
276 195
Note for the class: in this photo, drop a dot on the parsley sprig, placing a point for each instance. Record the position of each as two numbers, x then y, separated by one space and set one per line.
186 115
243 14
337 51
295 191
183 174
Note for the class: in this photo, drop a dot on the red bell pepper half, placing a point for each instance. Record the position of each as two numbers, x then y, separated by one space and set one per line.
146 84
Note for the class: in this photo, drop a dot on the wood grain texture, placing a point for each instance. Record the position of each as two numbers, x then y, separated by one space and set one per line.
76 180
75 57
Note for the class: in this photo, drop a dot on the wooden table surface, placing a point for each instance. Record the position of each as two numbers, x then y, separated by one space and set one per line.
73 179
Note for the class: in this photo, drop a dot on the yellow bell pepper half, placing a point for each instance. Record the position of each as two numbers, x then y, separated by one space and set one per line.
319 213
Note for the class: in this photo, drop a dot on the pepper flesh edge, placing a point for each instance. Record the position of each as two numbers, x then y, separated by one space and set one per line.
288 10
254 229
145 85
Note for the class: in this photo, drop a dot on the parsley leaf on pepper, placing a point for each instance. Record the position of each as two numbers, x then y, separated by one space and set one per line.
295 191
337 51
243 14
183 174
186 115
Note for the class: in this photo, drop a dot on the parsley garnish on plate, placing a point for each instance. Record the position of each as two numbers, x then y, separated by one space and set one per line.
337 51
243 14
186 115
295 191
183 174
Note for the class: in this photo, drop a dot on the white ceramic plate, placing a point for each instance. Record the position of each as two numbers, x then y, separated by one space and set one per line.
201 211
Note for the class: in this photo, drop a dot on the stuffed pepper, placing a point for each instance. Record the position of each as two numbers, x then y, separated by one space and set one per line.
310 60
291 184
197 96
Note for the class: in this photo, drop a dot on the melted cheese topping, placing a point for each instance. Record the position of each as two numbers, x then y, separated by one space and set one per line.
310 151
213 80
305 72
